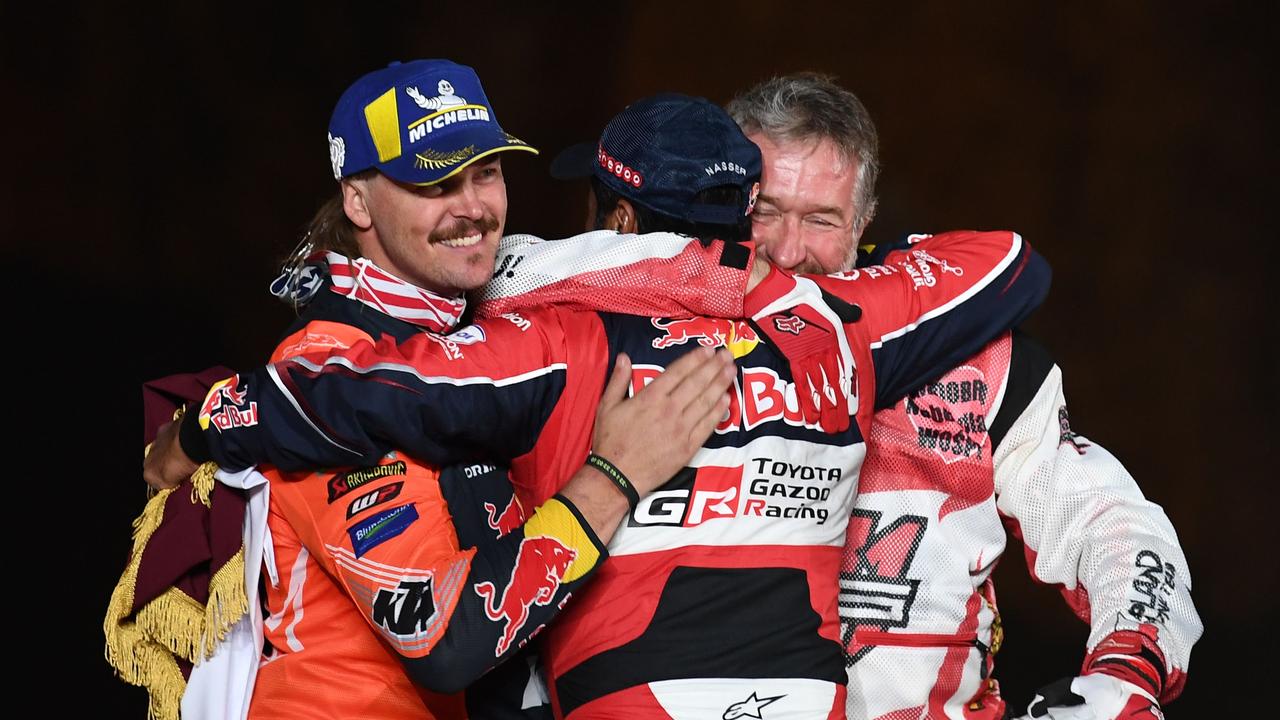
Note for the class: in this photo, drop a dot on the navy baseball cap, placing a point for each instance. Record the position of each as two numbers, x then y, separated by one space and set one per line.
663 150
417 122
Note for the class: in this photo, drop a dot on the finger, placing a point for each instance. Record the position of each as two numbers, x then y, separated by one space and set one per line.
689 393
707 423
615 391
680 370
703 393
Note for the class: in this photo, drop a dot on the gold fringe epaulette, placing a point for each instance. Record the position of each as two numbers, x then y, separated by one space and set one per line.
143 647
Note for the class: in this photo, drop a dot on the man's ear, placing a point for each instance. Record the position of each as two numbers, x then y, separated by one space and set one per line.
354 203
622 218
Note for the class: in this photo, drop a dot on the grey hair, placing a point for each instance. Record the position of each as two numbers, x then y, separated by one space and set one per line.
807 106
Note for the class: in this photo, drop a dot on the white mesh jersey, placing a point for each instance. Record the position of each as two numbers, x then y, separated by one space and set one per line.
985 449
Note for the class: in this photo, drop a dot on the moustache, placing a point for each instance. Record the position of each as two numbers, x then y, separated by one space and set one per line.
463 228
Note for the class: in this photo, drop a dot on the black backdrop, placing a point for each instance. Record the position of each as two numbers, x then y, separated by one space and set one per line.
167 157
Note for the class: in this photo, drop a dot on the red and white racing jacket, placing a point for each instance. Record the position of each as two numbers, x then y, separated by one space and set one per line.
984 449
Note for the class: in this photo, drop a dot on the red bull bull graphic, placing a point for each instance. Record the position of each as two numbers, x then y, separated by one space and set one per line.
510 519
222 409
540 564
737 335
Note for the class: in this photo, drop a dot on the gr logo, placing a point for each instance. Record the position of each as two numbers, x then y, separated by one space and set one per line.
374 498
692 497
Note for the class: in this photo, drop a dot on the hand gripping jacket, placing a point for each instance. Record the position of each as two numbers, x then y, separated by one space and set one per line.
983 449
720 596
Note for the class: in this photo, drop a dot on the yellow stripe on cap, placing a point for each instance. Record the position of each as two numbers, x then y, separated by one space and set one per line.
554 520
384 125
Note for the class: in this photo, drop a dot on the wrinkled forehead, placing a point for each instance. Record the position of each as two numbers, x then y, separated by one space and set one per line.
806 172
811 150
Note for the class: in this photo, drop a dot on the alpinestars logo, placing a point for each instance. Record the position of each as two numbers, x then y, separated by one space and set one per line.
875 591
407 610
749 708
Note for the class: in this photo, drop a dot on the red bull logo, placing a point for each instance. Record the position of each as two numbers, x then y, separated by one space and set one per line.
759 396
221 406
737 335
510 519
540 563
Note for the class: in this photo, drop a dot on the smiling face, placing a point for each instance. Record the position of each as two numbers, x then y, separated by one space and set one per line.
805 219
441 237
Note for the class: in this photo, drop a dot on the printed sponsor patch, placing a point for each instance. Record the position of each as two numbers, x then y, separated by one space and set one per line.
468 335
1153 588
950 416
876 591
540 564
372 499
343 483
224 406
409 606
381 527
737 335
406 611
508 520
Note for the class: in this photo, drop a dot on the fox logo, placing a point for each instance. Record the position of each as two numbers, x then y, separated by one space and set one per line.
509 520
540 563
790 324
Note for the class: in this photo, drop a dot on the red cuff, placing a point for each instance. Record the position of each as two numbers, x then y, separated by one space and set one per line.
1130 656
774 285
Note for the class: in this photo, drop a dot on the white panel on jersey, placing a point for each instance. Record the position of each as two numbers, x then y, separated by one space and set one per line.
733 698
770 492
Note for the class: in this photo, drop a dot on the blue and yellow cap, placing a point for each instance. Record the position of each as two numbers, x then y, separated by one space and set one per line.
417 122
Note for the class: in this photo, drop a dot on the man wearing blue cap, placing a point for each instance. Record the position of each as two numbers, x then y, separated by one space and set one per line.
396 546
719 597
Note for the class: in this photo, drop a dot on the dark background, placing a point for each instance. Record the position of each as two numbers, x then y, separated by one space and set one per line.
169 156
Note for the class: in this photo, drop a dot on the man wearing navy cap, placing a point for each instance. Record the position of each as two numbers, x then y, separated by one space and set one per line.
681 165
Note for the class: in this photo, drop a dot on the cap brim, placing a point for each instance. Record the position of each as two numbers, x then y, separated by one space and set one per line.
428 166
575 161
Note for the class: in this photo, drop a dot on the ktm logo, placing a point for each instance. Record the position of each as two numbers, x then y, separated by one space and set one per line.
875 591
405 611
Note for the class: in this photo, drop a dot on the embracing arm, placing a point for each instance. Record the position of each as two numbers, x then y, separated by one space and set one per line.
1089 530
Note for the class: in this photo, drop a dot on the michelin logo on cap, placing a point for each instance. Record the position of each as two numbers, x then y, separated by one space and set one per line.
449 109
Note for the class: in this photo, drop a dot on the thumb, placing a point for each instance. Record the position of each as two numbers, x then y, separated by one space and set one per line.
616 391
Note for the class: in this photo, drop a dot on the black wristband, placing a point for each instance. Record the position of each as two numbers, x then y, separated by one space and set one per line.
619 480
